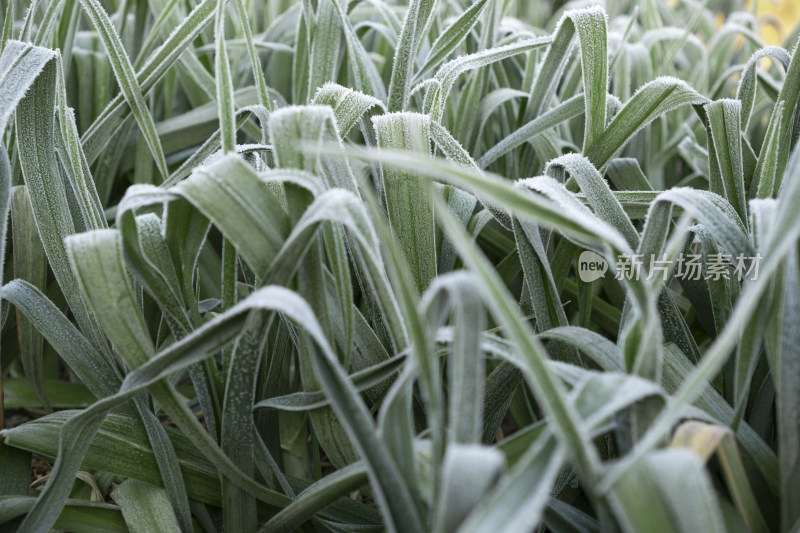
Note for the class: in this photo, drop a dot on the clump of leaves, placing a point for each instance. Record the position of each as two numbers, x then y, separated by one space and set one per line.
315 265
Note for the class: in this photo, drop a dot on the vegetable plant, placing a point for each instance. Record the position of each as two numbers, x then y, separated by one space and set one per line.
398 266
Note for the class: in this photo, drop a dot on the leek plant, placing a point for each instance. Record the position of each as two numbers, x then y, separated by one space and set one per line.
436 265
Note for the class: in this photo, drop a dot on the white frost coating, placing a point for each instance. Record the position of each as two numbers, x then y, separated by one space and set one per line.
455 290
239 203
590 224
408 201
365 75
298 133
431 84
497 98
668 93
762 217
597 191
20 65
455 32
154 68
565 110
468 473
348 105
300 178
341 206
291 126
176 356
714 212
725 123
462 203
415 24
126 78
304 110
141 195
746 91
449 72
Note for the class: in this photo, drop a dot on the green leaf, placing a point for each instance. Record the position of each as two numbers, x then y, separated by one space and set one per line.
746 92
227 191
30 264
512 507
415 25
225 101
348 105
597 192
549 391
77 515
668 491
707 440
652 100
61 394
16 466
126 78
465 371
54 222
439 88
5 205
469 472
590 25
118 110
407 196
325 44
99 374
255 60
145 507
237 436
20 65
316 497
780 243
564 111
365 75
725 153
450 38
293 130
766 178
